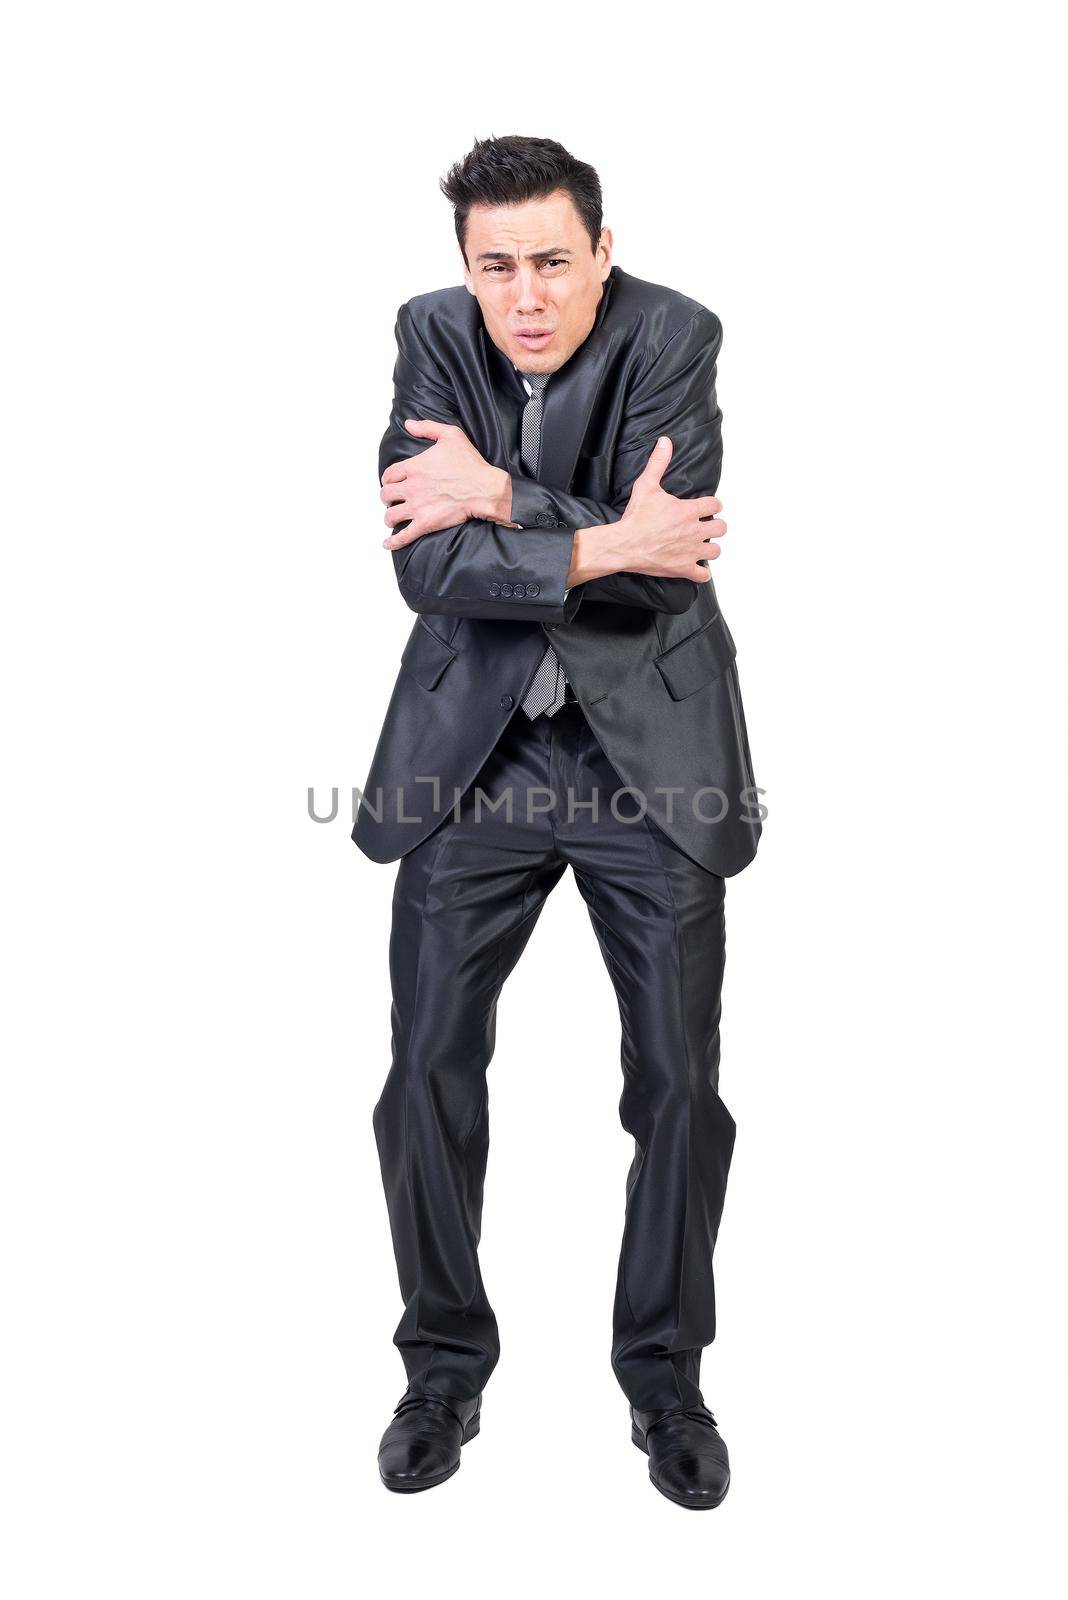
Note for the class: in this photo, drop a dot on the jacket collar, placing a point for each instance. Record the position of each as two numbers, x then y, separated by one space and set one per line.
568 398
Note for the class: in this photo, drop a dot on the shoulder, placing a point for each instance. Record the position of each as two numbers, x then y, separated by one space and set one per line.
660 314
441 312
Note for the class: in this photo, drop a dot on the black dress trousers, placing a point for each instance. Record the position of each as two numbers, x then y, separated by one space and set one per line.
465 903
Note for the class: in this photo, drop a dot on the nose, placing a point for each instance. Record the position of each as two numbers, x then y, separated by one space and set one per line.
529 291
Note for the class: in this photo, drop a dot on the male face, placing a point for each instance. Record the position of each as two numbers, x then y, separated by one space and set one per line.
532 271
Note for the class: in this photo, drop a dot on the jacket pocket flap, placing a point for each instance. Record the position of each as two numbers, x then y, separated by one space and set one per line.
697 659
426 655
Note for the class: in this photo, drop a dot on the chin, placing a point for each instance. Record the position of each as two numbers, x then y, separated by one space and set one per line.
540 360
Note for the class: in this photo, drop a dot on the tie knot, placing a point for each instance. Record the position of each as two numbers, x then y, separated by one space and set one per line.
537 381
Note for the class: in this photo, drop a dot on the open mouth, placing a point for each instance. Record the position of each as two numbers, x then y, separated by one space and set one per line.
535 341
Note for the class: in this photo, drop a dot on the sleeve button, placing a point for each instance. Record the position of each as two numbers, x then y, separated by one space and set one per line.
506 590
533 588
495 588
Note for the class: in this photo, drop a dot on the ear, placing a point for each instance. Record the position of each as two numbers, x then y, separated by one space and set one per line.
605 247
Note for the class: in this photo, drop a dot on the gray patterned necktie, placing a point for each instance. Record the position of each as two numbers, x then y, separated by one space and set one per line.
546 692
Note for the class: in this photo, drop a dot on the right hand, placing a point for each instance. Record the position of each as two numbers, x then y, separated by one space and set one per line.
661 535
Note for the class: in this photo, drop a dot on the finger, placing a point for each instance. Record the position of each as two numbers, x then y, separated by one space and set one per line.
712 530
397 541
396 473
703 549
656 465
391 493
706 506
422 429
397 513
700 573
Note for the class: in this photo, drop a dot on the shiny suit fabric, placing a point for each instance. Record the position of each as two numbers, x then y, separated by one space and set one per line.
652 660
658 714
466 901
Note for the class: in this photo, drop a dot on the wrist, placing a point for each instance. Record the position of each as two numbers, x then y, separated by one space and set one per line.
496 504
595 553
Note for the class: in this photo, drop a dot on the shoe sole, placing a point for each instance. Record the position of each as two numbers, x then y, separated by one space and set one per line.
685 1501
400 1486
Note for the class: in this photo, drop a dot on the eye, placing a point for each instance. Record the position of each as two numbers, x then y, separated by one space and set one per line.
555 261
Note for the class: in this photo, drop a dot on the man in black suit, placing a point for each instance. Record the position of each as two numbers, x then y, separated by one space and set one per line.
568 696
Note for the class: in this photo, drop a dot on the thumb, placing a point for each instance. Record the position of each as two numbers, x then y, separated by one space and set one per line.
423 429
657 463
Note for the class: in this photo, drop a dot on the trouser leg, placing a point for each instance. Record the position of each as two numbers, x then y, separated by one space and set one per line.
464 907
659 920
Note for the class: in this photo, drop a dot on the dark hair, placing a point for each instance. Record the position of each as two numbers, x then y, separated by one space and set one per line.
507 171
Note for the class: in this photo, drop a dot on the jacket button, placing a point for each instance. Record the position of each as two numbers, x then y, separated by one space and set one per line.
507 702
495 588
533 589
545 521
506 589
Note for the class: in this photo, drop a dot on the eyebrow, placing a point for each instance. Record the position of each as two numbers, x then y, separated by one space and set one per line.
534 255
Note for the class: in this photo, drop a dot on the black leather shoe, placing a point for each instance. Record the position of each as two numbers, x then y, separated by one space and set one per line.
687 1458
421 1446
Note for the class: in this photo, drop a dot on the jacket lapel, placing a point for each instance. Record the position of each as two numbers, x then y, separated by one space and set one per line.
569 397
488 353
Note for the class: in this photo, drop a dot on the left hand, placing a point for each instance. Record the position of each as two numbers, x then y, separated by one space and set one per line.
440 487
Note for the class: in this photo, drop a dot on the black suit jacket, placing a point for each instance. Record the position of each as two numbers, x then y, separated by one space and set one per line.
651 659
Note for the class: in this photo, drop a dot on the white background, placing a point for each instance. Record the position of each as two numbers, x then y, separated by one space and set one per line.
213 213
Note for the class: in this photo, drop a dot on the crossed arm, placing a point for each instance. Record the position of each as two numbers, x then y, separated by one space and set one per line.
514 563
